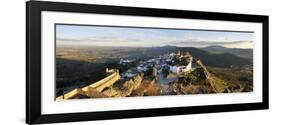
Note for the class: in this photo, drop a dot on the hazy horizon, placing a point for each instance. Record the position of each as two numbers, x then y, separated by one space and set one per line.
76 35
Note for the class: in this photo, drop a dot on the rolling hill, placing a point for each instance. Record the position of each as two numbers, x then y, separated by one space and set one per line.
245 53
219 59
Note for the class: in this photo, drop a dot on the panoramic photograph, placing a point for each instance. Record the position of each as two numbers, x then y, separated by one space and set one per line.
109 61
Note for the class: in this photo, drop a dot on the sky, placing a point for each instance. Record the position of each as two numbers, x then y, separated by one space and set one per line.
149 37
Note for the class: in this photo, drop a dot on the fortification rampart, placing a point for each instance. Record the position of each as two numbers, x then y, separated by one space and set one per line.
105 82
108 81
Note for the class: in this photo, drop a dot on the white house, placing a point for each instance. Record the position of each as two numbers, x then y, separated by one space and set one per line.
180 69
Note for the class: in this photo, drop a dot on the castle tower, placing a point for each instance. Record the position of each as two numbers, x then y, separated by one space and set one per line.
179 52
117 73
154 72
189 66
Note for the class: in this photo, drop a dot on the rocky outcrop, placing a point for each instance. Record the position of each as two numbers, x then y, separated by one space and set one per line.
94 93
127 87
200 81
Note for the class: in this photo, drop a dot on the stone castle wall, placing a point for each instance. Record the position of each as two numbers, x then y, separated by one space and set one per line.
99 85
105 82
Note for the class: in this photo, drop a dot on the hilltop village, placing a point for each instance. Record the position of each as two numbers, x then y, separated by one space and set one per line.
169 74
176 63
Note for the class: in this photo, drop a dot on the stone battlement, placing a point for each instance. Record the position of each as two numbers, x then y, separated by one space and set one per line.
113 77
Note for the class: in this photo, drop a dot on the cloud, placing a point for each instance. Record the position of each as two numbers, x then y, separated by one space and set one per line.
114 41
232 44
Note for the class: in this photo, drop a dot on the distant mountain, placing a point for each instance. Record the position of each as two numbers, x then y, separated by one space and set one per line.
212 56
219 59
246 53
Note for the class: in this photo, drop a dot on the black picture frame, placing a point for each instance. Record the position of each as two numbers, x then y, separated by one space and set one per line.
33 61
